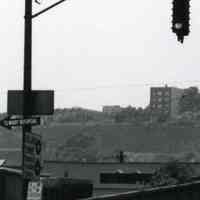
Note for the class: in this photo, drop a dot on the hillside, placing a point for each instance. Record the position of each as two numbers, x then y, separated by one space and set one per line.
9 139
107 139
10 144
102 142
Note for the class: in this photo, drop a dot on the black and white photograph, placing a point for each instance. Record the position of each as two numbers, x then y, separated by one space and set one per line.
99 100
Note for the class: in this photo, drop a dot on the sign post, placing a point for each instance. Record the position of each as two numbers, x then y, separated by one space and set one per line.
32 156
28 103
27 80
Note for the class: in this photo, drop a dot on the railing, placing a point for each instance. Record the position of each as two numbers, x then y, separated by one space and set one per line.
187 191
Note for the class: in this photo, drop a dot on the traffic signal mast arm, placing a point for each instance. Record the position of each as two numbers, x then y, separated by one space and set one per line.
180 17
48 8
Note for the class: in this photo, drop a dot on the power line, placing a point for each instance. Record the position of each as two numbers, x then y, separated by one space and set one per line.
113 86
127 85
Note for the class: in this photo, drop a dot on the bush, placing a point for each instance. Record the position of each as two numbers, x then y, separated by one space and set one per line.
172 173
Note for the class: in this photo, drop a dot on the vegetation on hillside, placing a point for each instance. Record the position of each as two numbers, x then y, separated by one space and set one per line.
75 115
190 100
87 135
80 148
134 115
172 173
102 142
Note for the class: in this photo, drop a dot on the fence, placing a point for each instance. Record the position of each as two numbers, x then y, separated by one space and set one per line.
188 191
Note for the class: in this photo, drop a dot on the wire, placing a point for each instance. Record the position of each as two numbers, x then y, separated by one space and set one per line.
113 86
125 86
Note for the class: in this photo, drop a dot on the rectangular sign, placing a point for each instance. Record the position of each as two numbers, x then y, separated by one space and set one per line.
38 102
21 122
34 190
125 178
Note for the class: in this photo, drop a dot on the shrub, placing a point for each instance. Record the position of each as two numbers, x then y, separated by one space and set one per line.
172 173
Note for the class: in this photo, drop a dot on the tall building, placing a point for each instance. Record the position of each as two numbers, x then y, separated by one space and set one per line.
164 100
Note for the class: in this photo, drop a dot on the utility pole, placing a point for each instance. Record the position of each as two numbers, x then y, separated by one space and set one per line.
27 85
27 82
28 46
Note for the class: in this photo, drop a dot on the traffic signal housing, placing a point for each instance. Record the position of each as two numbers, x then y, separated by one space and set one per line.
180 18
32 156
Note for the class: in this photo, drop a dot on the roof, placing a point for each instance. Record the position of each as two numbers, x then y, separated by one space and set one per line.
2 162
8 170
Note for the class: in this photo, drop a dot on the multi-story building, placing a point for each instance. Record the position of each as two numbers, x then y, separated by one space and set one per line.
112 110
165 100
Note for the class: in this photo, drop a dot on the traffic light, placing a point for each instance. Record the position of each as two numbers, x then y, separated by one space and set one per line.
32 156
38 151
180 18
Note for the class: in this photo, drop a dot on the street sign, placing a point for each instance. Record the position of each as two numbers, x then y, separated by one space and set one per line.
9 122
40 102
35 190
4 124
32 156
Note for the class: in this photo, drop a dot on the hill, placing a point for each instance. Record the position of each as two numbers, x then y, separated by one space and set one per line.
10 146
9 139
103 140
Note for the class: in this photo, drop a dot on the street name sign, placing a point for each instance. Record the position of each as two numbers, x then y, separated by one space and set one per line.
9 122
32 158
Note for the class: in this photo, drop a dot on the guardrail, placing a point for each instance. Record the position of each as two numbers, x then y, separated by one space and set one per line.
187 191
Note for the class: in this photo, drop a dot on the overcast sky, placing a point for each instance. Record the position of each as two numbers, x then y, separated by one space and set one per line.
95 53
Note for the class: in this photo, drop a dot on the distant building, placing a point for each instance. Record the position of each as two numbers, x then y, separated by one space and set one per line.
111 110
164 100
86 114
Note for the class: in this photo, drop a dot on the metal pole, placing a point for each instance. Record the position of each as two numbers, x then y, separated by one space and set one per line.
27 77
28 45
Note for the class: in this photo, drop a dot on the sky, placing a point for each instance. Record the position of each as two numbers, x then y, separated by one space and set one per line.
95 53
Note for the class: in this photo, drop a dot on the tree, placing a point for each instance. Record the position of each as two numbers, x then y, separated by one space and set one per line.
132 114
190 100
79 147
172 173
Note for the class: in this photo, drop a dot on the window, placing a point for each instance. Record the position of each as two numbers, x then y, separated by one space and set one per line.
166 105
159 99
167 93
166 99
159 93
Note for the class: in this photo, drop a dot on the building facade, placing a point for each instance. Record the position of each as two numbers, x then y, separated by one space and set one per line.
165 100
112 110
